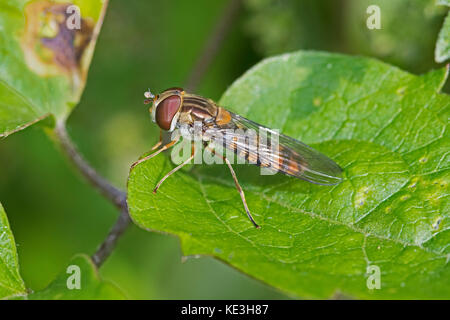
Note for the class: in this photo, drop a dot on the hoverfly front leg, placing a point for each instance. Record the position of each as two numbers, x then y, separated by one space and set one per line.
175 169
165 147
156 146
238 187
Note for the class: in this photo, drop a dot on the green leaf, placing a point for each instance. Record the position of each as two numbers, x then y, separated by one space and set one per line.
385 127
13 287
44 58
11 283
92 287
442 52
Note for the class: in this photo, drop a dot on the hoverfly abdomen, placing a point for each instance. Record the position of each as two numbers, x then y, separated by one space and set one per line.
223 117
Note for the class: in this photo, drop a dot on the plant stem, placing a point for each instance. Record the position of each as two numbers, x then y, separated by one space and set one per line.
108 245
116 196
213 44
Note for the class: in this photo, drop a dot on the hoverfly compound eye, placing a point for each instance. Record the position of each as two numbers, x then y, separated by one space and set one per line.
166 112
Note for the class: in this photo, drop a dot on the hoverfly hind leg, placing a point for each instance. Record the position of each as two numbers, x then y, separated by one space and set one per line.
241 193
238 187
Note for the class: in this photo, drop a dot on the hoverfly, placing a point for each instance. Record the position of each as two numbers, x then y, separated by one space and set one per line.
174 108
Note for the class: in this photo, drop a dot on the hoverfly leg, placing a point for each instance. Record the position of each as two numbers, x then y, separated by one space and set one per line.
175 169
241 193
172 172
158 144
238 186
165 147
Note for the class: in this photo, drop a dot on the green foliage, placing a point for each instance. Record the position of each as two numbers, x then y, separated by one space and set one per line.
43 73
406 38
11 284
107 119
385 127
286 25
442 52
13 287
92 287
407 35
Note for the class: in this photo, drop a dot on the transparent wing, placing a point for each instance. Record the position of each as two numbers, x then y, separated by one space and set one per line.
265 147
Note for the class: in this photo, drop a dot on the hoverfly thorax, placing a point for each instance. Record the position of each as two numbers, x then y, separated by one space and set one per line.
166 108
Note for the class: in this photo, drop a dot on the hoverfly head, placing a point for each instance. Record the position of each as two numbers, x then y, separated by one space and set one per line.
166 108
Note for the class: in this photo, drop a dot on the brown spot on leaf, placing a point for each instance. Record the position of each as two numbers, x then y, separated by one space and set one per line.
50 47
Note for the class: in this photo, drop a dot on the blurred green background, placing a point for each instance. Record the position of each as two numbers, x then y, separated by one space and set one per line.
55 214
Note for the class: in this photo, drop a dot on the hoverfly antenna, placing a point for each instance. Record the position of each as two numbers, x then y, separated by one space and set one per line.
148 94
149 97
